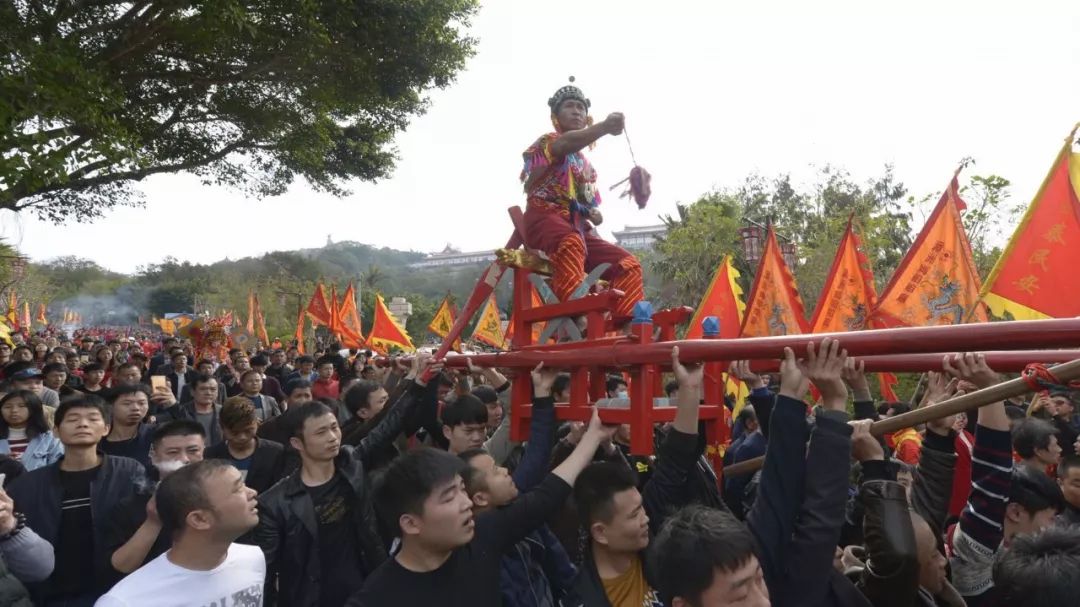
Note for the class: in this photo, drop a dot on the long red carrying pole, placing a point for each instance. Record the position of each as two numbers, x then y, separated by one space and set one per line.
1013 335
1009 361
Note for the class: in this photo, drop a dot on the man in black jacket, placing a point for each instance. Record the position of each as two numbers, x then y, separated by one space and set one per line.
162 357
180 374
317 526
66 504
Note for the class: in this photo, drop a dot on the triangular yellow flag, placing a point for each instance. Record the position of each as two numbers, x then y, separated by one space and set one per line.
489 328
443 320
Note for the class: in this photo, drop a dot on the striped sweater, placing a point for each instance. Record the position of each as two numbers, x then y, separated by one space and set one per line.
981 529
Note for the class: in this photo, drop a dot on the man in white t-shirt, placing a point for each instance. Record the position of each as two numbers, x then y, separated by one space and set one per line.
206 506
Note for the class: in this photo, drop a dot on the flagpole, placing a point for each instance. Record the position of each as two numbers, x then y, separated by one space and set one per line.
914 393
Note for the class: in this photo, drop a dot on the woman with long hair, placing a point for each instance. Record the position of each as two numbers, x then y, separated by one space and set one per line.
41 350
24 433
104 356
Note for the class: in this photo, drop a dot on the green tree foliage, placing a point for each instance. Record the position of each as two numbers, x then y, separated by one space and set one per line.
989 218
704 231
697 239
72 276
246 94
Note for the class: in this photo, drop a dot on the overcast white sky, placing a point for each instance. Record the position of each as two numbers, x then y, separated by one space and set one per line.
712 91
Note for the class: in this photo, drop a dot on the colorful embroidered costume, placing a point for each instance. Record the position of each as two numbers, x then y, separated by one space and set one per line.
561 191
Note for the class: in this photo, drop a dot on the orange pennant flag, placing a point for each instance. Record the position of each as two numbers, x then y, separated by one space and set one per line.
260 321
349 320
318 309
488 329
335 320
26 314
41 318
775 307
723 299
849 297
299 335
936 282
537 328
251 313
886 382
1033 278
386 332
443 320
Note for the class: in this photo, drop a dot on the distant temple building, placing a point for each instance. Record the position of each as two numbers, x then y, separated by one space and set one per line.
638 238
452 257
631 238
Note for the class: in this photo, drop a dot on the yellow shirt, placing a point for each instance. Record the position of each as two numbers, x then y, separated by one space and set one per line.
630 589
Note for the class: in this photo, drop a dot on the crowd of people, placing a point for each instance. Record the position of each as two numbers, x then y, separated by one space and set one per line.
134 474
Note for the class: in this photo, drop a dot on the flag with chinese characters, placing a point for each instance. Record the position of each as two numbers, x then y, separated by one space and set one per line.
849 297
1035 275
488 329
936 283
775 307
443 320
349 320
318 309
386 332
723 299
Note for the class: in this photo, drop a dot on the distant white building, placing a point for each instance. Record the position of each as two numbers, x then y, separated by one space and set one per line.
630 238
637 238
450 257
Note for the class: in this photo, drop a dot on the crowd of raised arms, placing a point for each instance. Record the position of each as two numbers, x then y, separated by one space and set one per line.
132 478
